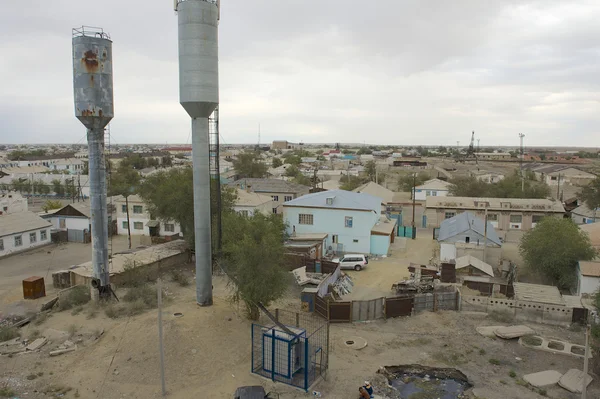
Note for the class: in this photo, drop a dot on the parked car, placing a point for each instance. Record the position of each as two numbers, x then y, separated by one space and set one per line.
352 261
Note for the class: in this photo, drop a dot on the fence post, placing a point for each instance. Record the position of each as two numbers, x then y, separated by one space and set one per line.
306 369
297 319
328 312
351 314
273 354
435 302
384 308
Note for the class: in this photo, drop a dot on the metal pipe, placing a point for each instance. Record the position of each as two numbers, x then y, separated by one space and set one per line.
99 214
200 159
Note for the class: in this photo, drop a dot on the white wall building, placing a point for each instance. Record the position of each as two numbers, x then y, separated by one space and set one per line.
12 202
588 277
432 188
140 220
22 231
248 203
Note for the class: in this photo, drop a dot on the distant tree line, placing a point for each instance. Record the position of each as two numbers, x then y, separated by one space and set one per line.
509 187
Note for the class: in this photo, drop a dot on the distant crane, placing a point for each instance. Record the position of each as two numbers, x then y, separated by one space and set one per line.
470 152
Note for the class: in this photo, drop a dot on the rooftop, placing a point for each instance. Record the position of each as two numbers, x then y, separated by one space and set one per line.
589 268
464 222
526 204
385 226
245 198
269 185
21 222
583 210
469 260
538 293
434 184
377 190
593 231
338 199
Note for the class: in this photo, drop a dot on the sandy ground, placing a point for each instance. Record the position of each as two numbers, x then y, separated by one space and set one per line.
208 353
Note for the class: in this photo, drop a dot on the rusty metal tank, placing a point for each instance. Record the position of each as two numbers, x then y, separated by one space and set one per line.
92 77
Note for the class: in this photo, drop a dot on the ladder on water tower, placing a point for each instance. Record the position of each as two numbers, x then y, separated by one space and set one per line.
109 205
215 174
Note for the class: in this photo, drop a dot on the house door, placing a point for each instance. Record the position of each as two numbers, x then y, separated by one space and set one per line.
424 221
62 223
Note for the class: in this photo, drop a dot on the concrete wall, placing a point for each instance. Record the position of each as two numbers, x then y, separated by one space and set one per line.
581 219
332 222
265 209
492 255
8 241
520 310
281 198
474 238
380 245
71 222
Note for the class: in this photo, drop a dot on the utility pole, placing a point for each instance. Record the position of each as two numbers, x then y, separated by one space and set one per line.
160 337
558 188
485 221
414 230
128 226
585 362
478 145
521 135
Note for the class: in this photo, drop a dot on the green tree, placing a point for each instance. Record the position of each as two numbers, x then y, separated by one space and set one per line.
277 162
253 250
406 182
292 171
292 159
124 181
553 249
249 164
590 194
371 170
350 183
58 188
364 150
509 187
51 204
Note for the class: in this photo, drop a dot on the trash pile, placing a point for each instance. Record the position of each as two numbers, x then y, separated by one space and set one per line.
343 285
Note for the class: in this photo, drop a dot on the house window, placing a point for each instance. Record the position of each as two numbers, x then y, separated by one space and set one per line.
138 226
288 198
124 208
18 241
516 218
32 237
552 178
125 225
275 211
43 235
355 241
449 215
334 238
138 209
427 193
1 244
170 227
492 217
348 221
434 193
305 218
275 198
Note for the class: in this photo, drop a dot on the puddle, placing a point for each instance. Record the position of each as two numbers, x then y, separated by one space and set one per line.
420 382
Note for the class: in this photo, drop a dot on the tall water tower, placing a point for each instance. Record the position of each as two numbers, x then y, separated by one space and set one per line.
199 96
93 93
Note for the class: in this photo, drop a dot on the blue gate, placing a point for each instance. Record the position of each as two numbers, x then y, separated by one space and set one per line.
424 221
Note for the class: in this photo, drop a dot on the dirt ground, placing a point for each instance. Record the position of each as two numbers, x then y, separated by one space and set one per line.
207 353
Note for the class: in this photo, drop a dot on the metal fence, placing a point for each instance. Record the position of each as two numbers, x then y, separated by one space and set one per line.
299 359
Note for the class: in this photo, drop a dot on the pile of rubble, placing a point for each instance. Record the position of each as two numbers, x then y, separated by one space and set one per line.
343 285
54 342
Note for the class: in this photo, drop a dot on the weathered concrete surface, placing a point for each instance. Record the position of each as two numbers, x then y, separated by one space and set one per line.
511 332
37 344
568 348
573 381
356 343
543 378
488 331
61 351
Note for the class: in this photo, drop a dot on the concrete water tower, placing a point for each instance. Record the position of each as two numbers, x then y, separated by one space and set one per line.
93 93
199 96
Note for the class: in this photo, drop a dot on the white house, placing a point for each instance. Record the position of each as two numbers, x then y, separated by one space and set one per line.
22 231
432 188
588 277
140 220
248 203
352 222
74 219
71 165
584 215
12 202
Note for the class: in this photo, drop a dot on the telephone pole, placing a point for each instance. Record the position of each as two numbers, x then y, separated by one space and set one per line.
414 230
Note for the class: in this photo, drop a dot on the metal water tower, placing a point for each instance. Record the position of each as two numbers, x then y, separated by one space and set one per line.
199 96
93 93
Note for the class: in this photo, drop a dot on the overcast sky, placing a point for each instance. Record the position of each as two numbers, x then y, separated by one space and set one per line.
385 71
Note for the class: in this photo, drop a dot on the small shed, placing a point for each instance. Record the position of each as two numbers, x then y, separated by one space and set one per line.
588 277
472 266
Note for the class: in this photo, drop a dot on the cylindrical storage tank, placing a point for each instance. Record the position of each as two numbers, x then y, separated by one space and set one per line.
92 77
198 57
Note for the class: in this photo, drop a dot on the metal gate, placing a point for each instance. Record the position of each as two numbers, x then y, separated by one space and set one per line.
396 307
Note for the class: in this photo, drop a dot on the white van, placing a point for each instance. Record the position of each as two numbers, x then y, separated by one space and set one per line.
352 261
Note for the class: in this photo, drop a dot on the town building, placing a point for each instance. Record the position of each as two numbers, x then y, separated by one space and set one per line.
593 231
284 145
468 229
487 177
248 203
141 222
503 213
12 202
584 215
588 277
493 156
351 221
22 231
72 166
554 175
280 191
432 188
387 196
74 219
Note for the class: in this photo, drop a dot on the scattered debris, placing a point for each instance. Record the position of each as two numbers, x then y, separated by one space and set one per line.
343 285
426 382
66 347
512 332
488 331
37 344
49 305
572 381
543 378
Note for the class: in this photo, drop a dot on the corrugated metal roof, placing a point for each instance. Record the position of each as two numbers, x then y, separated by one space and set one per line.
21 222
468 260
464 222
538 293
590 268
341 199
377 190
583 210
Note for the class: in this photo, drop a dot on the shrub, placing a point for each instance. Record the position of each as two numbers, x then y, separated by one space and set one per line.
180 278
495 362
512 374
532 340
145 293
6 392
76 296
8 333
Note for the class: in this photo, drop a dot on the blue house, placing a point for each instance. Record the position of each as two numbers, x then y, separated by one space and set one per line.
351 222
